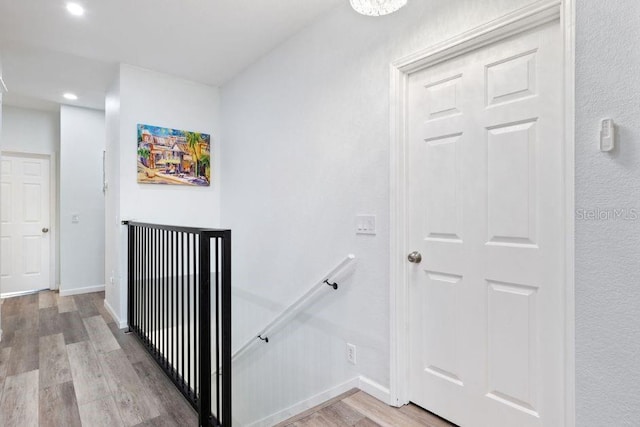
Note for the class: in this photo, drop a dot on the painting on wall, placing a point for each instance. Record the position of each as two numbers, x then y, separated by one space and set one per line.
173 157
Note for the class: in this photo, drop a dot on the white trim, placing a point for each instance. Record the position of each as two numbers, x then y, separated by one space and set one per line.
53 226
521 20
53 208
363 383
303 405
399 299
374 389
78 291
121 323
21 293
569 33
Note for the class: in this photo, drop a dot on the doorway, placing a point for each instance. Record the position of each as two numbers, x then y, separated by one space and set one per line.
25 228
479 302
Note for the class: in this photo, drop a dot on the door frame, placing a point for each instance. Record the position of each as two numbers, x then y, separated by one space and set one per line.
53 214
519 21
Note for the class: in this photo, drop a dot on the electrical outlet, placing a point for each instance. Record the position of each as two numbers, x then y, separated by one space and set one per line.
351 353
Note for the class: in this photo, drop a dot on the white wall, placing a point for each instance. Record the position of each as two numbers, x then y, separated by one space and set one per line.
608 251
306 149
82 141
157 99
36 132
1 93
30 131
113 230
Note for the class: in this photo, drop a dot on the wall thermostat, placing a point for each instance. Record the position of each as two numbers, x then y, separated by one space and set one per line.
607 135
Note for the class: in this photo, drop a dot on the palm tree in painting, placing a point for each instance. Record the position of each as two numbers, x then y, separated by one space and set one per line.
144 154
205 164
193 141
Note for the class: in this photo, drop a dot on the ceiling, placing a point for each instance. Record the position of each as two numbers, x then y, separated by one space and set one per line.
45 51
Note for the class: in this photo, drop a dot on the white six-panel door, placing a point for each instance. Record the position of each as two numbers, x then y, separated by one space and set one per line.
486 214
24 223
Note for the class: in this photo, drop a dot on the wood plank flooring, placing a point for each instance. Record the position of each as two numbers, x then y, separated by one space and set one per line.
64 362
356 408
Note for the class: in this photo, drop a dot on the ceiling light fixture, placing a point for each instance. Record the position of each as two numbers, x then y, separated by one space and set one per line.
75 9
377 7
70 96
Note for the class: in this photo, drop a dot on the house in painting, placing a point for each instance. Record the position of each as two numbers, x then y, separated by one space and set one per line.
169 156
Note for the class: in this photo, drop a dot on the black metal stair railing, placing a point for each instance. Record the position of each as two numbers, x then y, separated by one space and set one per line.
180 309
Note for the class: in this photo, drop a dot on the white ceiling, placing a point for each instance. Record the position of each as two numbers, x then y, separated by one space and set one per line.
45 51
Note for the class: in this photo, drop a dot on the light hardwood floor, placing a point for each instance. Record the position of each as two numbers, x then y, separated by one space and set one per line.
64 362
358 409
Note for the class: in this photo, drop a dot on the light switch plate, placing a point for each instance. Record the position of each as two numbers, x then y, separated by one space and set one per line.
365 224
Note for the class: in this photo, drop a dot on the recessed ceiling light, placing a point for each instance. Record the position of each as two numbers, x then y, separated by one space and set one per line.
75 9
71 96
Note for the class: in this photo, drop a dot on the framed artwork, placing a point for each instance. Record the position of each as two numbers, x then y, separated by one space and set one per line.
173 157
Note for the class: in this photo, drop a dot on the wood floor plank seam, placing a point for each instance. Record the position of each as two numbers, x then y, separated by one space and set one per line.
19 405
100 413
134 404
54 361
58 406
100 335
88 378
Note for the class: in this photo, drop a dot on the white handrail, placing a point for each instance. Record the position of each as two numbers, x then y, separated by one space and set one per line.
264 332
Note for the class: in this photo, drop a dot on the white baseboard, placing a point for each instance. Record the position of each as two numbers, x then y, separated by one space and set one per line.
78 291
121 323
20 293
374 389
365 384
300 407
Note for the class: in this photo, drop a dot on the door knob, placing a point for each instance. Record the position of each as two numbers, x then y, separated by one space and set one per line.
45 230
415 257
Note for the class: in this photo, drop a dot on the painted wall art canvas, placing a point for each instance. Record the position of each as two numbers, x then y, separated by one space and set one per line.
173 157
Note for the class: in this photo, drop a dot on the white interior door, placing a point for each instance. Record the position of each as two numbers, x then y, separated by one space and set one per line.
486 205
24 228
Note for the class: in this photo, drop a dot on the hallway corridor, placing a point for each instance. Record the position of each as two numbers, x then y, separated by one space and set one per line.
64 362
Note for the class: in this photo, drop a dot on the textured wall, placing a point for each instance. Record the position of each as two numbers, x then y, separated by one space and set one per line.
82 244
608 250
1 93
30 131
147 97
306 149
113 229
158 99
